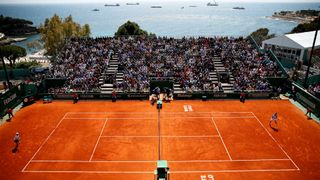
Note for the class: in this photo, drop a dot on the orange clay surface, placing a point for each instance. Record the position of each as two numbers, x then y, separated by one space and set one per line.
105 140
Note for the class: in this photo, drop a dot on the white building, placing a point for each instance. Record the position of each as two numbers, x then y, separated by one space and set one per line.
1 35
293 46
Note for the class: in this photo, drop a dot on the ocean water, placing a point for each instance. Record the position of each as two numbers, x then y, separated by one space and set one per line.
170 20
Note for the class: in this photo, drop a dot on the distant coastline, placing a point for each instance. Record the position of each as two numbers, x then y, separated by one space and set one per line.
301 17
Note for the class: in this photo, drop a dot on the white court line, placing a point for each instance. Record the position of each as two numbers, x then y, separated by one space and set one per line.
276 142
94 172
94 149
225 147
88 112
235 117
83 118
164 118
157 113
227 160
87 118
95 161
208 136
44 143
235 170
146 161
172 172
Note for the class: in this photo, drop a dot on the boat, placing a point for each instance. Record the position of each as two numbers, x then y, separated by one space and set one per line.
95 9
112 4
212 4
182 7
239 8
132 4
193 6
156 6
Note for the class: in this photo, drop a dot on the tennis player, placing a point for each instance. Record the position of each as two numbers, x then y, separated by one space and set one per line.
274 118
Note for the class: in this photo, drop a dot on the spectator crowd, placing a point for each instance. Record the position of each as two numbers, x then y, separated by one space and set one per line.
187 60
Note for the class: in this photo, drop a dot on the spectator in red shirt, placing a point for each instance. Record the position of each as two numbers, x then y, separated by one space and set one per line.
308 113
114 96
75 98
10 113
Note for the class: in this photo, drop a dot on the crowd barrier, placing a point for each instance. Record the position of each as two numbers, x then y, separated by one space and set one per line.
15 74
11 98
145 96
307 99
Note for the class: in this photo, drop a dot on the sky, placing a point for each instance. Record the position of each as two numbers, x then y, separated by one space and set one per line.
106 1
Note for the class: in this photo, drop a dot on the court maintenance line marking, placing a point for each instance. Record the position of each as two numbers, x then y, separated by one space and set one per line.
276 142
94 149
23 170
225 147
185 107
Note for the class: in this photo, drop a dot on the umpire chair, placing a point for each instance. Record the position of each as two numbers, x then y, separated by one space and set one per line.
162 172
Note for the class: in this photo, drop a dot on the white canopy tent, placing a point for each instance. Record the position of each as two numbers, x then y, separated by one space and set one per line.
295 42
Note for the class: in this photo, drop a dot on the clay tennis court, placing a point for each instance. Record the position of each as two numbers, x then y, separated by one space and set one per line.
199 139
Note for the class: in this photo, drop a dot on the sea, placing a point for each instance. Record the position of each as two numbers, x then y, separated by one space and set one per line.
175 18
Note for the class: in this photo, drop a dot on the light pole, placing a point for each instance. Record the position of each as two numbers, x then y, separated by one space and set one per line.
311 53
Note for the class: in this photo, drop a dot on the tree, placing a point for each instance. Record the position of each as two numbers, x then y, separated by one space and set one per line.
312 26
12 53
15 27
261 35
55 32
131 29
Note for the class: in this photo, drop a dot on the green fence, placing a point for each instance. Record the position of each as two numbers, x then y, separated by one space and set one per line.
255 44
274 81
274 58
307 99
52 83
15 74
313 80
288 63
11 98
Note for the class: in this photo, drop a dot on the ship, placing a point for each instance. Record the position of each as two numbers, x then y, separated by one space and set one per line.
95 9
193 6
239 8
156 6
112 4
212 4
133 4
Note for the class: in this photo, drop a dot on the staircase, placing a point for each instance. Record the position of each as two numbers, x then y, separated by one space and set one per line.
112 69
219 67
213 77
177 89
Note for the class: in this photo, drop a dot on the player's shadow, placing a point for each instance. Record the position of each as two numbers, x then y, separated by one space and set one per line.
275 129
15 149
8 120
